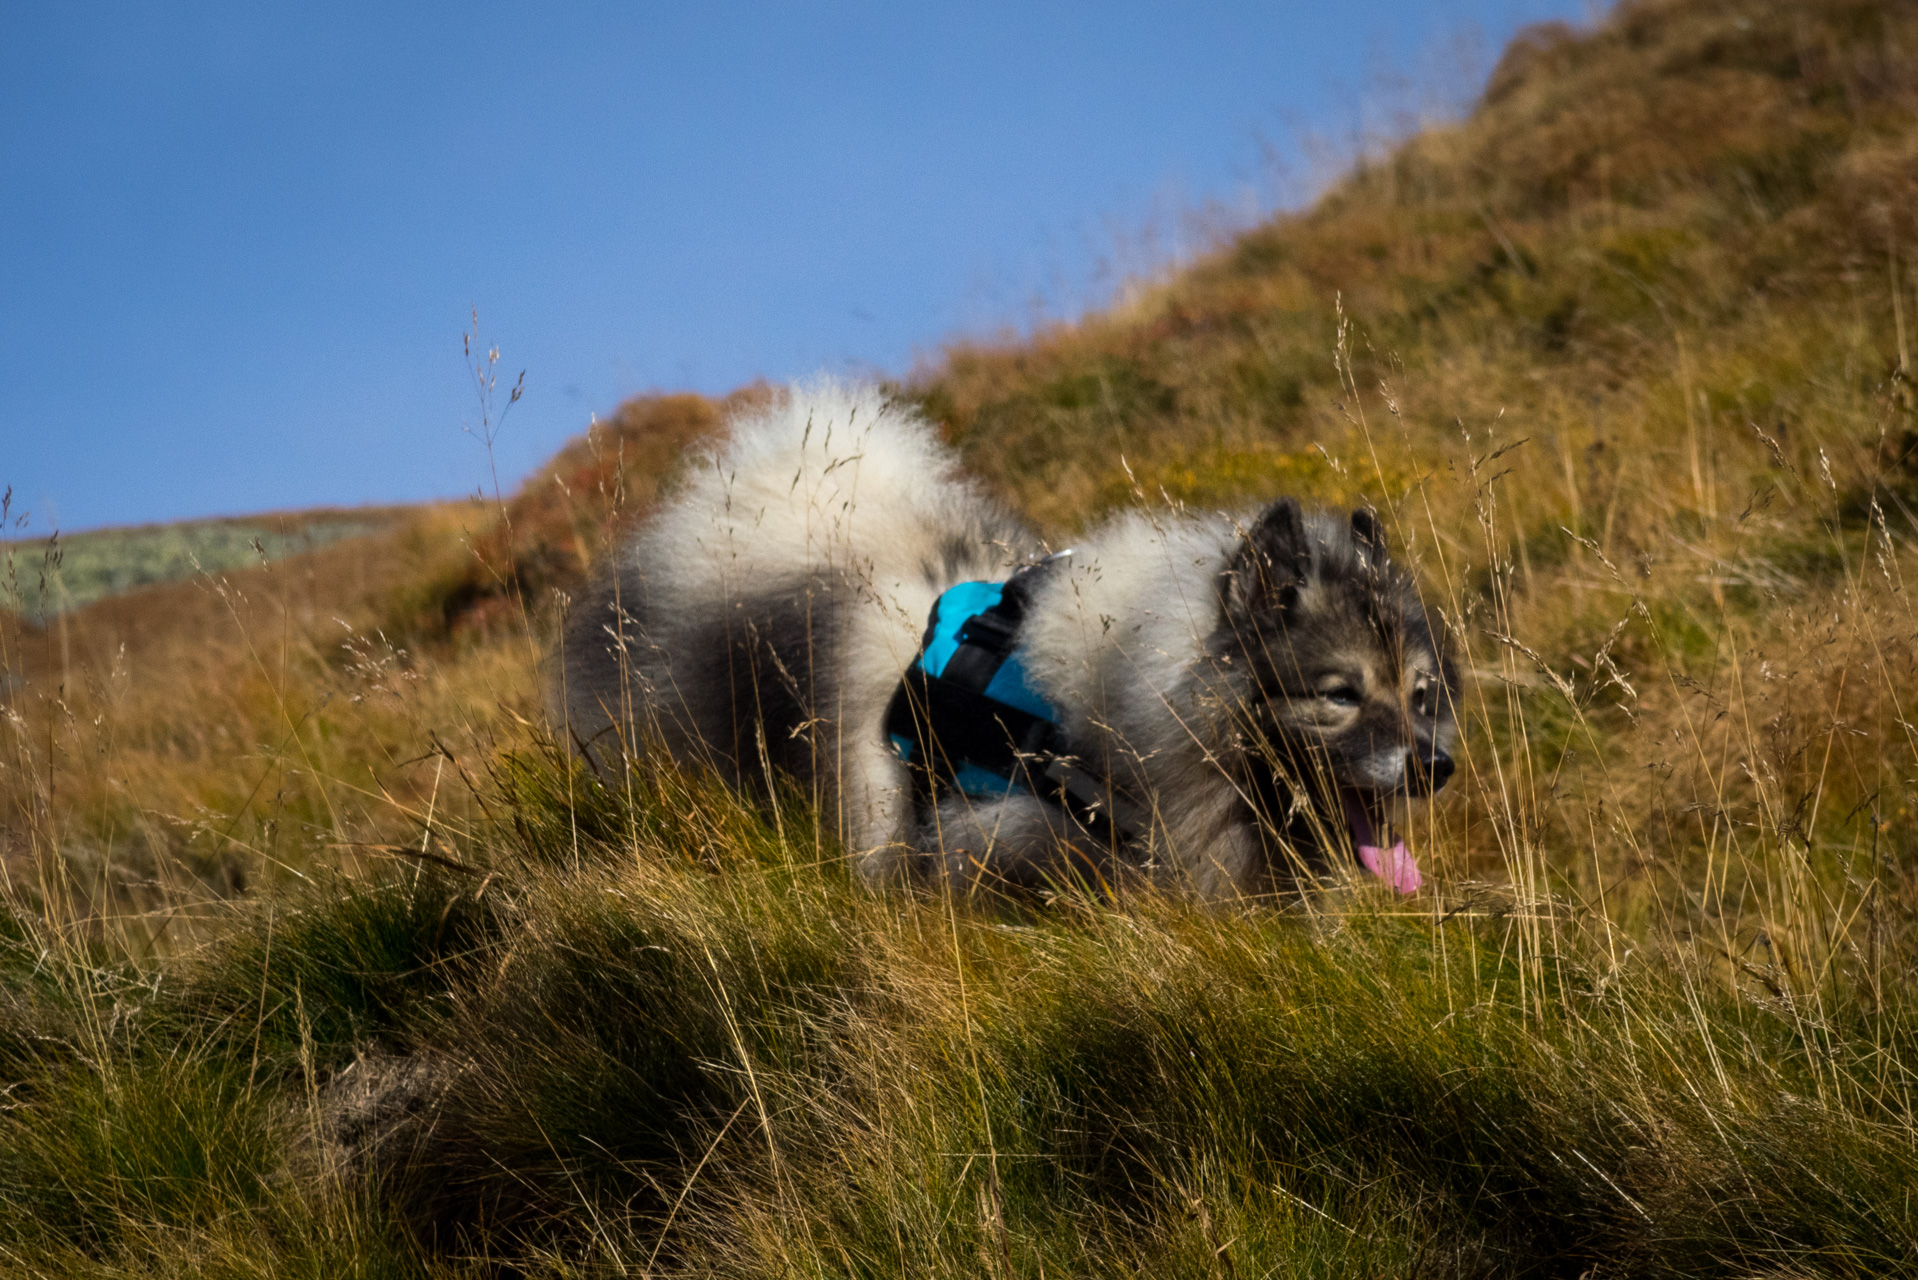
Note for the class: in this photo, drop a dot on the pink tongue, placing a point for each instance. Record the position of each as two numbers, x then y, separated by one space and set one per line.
1396 866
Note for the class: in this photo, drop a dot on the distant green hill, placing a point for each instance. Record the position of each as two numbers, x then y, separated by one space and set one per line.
43 577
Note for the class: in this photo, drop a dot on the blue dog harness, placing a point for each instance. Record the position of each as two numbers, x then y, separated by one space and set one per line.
966 710
967 717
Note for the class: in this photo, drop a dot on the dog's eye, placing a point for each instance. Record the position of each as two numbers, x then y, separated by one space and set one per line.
1343 695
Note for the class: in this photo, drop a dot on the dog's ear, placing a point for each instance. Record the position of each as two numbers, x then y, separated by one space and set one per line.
1270 564
1370 535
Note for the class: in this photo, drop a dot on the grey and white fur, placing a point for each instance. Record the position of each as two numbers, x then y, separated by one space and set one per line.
1249 693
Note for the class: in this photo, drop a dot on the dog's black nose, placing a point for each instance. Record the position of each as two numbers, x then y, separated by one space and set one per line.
1429 770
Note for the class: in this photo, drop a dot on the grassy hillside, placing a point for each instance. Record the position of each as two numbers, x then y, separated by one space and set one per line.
319 957
179 743
62 573
1624 358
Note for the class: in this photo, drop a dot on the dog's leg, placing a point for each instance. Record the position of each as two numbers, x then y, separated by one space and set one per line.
875 812
1020 842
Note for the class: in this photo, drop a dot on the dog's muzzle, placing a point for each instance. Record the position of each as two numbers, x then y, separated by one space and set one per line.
1426 770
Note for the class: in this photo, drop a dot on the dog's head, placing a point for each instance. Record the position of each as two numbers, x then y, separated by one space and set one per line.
1341 689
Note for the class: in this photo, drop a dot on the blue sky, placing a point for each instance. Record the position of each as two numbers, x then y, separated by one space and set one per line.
239 243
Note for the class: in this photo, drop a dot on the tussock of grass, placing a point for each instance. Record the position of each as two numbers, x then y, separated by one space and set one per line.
642 1057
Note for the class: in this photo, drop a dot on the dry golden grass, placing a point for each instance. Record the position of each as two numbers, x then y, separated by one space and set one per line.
183 742
190 740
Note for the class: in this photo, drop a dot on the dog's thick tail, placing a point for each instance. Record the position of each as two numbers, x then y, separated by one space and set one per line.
834 481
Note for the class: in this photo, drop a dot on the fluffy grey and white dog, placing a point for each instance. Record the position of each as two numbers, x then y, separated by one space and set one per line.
1254 699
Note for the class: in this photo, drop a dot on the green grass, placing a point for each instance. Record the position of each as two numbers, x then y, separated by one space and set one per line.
646 1056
